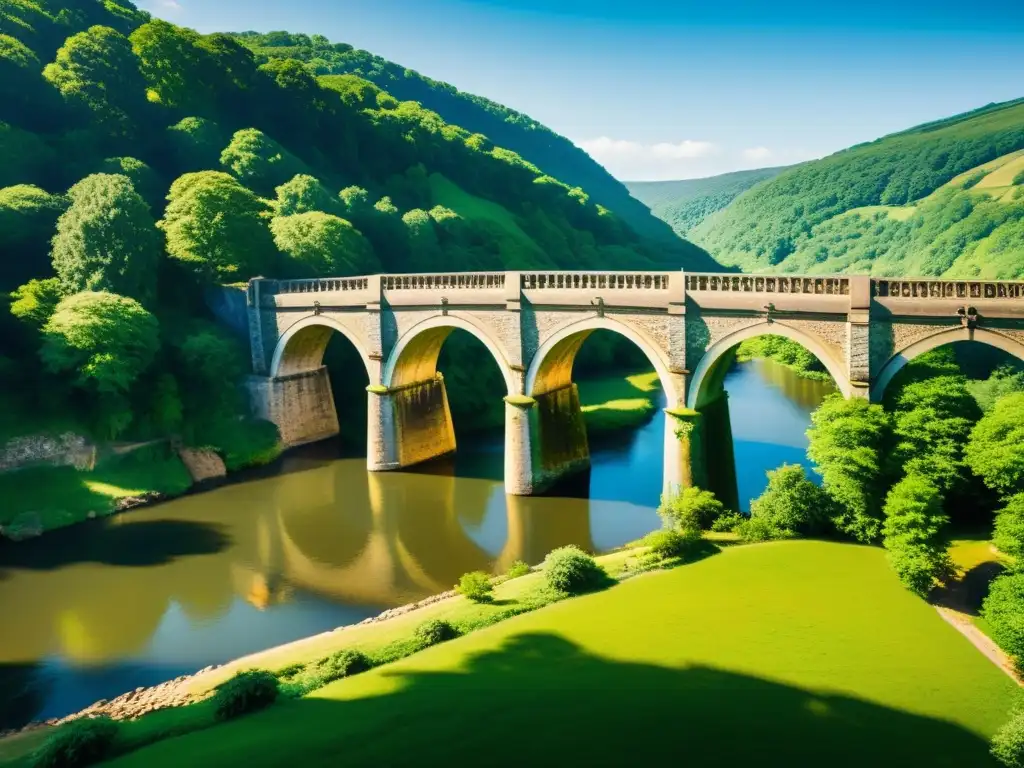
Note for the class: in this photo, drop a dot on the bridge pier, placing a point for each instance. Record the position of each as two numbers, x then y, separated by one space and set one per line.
719 455
545 440
408 425
301 405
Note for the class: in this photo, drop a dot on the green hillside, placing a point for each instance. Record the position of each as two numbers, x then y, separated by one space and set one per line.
942 213
505 127
143 164
686 203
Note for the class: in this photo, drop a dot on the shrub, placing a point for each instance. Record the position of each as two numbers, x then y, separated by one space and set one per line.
1003 609
691 508
81 742
476 585
913 533
668 543
517 569
1009 530
434 631
246 692
344 663
1008 742
792 503
761 529
728 522
569 569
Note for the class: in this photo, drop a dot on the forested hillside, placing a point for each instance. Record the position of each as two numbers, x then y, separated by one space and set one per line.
686 203
144 164
943 198
505 127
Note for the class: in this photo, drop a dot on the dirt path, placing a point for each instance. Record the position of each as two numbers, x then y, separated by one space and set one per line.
963 624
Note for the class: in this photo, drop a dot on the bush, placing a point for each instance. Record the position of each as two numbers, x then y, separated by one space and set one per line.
517 569
245 692
913 533
81 742
344 663
571 570
1003 609
793 503
434 631
728 522
476 585
1008 742
1009 530
668 543
761 529
691 508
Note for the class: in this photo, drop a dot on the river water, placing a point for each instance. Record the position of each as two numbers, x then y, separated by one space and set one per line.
93 611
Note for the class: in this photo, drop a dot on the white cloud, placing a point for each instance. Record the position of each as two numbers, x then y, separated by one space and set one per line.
162 7
757 153
683 150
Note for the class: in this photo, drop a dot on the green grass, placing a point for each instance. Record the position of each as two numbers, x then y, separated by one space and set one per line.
790 653
62 496
618 402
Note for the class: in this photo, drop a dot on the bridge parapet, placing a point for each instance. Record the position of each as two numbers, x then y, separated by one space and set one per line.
794 284
938 288
439 282
609 280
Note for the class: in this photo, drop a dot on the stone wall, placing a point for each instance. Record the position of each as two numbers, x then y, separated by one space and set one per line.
301 405
67 449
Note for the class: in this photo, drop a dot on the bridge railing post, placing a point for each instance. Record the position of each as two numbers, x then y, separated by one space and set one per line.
859 336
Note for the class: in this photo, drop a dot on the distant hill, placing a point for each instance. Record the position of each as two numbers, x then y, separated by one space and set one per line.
685 204
943 198
504 126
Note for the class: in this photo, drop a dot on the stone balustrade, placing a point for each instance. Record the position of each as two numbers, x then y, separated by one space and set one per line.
455 280
629 281
317 285
799 284
946 289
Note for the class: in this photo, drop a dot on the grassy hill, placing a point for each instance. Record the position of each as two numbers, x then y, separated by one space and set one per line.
504 126
685 204
939 199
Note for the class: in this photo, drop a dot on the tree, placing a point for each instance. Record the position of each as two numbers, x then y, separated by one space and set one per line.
27 158
913 533
690 508
197 144
304 194
107 240
106 340
1009 529
145 180
848 441
321 245
173 64
36 301
792 503
258 161
424 249
28 216
97 71
995 452
217 227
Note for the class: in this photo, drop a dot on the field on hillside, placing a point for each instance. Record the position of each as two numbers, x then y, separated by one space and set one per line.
790 654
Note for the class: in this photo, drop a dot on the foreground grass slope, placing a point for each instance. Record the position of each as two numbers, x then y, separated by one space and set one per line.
794 653
795 221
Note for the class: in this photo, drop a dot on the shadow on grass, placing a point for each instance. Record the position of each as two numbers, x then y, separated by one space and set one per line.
967 593
108 542
541 700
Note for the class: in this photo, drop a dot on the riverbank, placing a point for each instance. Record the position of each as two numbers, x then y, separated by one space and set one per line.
823 679
618 402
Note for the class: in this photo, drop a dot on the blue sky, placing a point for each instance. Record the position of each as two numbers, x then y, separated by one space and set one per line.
666 90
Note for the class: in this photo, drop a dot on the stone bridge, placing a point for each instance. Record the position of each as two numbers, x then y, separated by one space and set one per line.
864 330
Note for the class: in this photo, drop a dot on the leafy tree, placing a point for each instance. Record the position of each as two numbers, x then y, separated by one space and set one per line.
792 503
424 248
322 245
36 301
28 216
196 143
1009 529
96 70
848 442
304 194
25 98
107 239
913 533
27 158
105 340
145 180
690 508
995 452
1003 609
172 62
1004 380
258 161
217 227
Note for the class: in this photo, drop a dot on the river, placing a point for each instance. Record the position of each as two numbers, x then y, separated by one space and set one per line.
99 609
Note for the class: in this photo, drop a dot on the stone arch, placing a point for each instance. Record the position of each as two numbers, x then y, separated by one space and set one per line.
551 367
414 358
896 363
709 369
301 348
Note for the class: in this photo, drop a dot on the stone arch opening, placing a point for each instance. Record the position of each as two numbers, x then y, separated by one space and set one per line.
303 399
904 356
707 378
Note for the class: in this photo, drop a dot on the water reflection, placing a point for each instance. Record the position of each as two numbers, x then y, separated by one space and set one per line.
134 600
